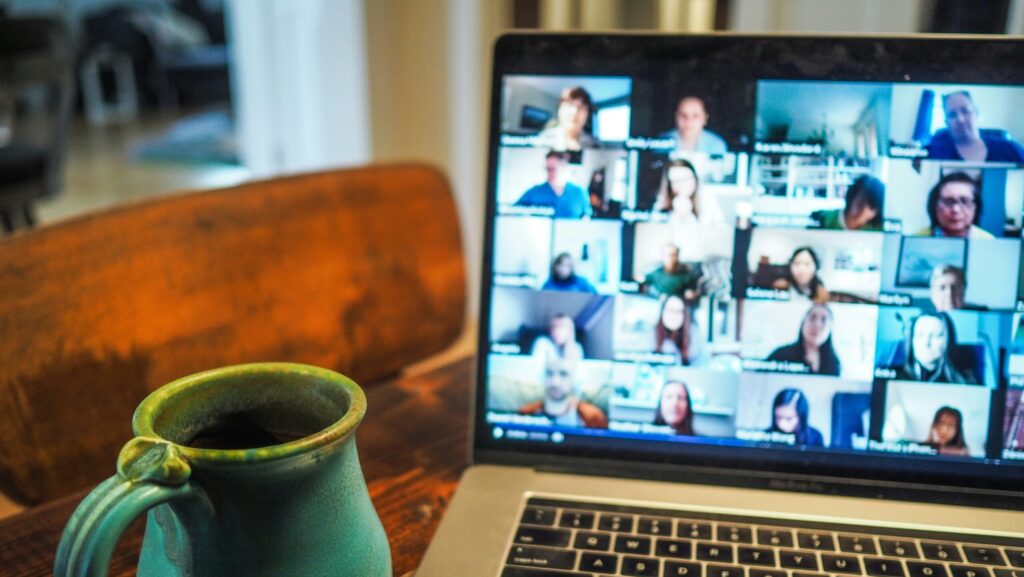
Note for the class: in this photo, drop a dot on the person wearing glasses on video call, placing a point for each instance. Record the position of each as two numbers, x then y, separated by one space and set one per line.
954 208
568 131
561 403
930 339
964 139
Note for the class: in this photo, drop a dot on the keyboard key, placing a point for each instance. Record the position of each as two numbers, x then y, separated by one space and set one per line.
617 523
539 516
526 572
1016 557
755 556
634 545
969 571
898 548
840 564
544 558
918 569
883 567
941 551
725 571
714 552
775 537
640 566
693 529
599 563
593 541
798 574
983 555
1009 573
798 560
816 541
577 520
734 534
677 569
673 548
649 526
857 544
545 537
755 572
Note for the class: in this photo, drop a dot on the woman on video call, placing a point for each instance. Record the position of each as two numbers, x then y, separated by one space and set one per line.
802 280
674 408
689 210
672 333
790 412
569 129
813 347
946 434
930 339
954 208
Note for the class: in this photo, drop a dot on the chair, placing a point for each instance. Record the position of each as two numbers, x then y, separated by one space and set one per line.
357 270
36 93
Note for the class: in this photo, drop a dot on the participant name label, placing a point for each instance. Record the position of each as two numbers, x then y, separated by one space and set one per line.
775 366
894 299
754 292
766 436
907 151
515 280
787 148
904 447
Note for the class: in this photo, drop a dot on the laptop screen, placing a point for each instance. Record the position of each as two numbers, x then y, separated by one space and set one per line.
801 254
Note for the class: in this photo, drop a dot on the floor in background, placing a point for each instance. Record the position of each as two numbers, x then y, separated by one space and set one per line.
103 171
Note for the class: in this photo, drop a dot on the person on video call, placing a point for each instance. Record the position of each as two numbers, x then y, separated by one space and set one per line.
790 411
964 140
672 277
691 133
568 200
674 408
564 278
954 208
801 278
561 402
672 334
946 434
930 339
689 211
863 210
568 130
813 347
560 342
946 288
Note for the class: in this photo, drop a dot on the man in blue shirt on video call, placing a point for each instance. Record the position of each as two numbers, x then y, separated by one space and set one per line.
568 200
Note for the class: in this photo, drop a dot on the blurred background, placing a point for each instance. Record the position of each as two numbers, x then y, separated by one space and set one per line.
109 101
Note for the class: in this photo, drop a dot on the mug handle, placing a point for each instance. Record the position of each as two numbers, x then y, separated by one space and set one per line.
150 472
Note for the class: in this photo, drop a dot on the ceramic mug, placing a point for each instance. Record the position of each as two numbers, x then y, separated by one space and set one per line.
246 470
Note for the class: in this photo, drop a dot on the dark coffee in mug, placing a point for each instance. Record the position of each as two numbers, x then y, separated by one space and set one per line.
235 431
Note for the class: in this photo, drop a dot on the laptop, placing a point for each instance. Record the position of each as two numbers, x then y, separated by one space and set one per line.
751 308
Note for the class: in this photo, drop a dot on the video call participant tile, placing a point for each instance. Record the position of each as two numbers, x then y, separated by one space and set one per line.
934 419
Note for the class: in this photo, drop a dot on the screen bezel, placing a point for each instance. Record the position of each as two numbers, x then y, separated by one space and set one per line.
892 59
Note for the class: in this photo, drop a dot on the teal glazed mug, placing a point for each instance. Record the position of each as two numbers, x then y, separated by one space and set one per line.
246 470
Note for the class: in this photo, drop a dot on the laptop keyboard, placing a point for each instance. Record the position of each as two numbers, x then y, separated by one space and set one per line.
563 538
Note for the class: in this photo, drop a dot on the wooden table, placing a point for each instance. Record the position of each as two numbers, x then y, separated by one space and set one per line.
412 444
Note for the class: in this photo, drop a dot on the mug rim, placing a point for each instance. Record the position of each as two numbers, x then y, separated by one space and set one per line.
145 416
